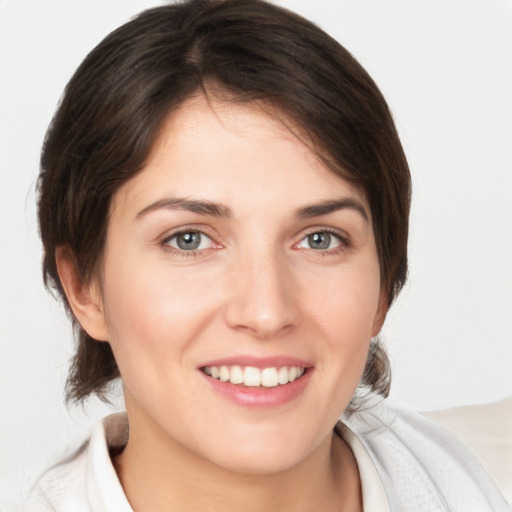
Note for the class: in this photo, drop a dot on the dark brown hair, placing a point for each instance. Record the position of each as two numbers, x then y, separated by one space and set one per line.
246 50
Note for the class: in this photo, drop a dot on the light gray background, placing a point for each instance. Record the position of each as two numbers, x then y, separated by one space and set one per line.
445 67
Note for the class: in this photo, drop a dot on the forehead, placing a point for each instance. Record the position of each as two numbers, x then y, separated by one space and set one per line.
234 153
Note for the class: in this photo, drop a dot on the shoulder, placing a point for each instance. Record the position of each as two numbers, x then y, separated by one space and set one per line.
87 481
63 487
487 431
423 465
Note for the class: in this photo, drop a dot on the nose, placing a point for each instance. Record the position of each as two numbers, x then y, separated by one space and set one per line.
262 299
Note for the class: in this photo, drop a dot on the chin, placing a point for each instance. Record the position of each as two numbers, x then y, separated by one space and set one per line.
259 464
260 455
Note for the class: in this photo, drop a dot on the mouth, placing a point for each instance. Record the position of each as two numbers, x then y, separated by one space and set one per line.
258 382
252 377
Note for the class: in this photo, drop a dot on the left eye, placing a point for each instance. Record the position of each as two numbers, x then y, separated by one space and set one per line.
320 241
190 241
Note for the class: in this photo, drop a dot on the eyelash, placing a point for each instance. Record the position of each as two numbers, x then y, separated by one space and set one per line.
164 243
342 237
344 242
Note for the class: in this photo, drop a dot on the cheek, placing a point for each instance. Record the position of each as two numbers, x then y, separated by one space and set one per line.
150 332
345 313
153 313
348 304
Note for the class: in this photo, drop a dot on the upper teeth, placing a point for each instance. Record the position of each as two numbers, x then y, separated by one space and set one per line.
251 376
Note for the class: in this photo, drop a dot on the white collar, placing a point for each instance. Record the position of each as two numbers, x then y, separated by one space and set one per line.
104 489
106 494
374 495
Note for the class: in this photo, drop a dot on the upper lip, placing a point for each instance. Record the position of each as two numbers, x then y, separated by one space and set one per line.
258 362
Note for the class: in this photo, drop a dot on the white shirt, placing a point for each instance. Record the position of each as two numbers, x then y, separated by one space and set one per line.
406 463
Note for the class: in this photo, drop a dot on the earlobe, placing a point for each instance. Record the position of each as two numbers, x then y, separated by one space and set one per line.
84 298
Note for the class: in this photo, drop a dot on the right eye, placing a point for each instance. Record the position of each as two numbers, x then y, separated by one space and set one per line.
189 241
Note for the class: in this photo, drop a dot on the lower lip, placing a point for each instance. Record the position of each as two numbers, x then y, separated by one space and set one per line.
247 396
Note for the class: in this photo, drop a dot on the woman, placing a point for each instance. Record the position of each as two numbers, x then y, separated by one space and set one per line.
224 208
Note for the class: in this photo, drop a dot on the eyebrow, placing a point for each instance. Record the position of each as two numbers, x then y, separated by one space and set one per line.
333 205
193 205
203 207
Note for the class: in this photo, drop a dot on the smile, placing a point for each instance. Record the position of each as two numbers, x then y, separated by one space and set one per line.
251 376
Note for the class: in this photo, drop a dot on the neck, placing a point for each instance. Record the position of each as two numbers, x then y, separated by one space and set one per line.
159 475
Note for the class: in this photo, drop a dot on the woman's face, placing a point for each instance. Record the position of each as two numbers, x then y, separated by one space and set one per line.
240 289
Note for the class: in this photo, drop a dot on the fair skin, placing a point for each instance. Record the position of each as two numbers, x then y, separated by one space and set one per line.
235 246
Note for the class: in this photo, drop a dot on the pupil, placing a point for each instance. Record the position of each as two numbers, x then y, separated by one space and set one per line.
189 241
319 240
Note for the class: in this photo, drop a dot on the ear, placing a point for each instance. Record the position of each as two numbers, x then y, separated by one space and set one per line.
380 315
84 299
